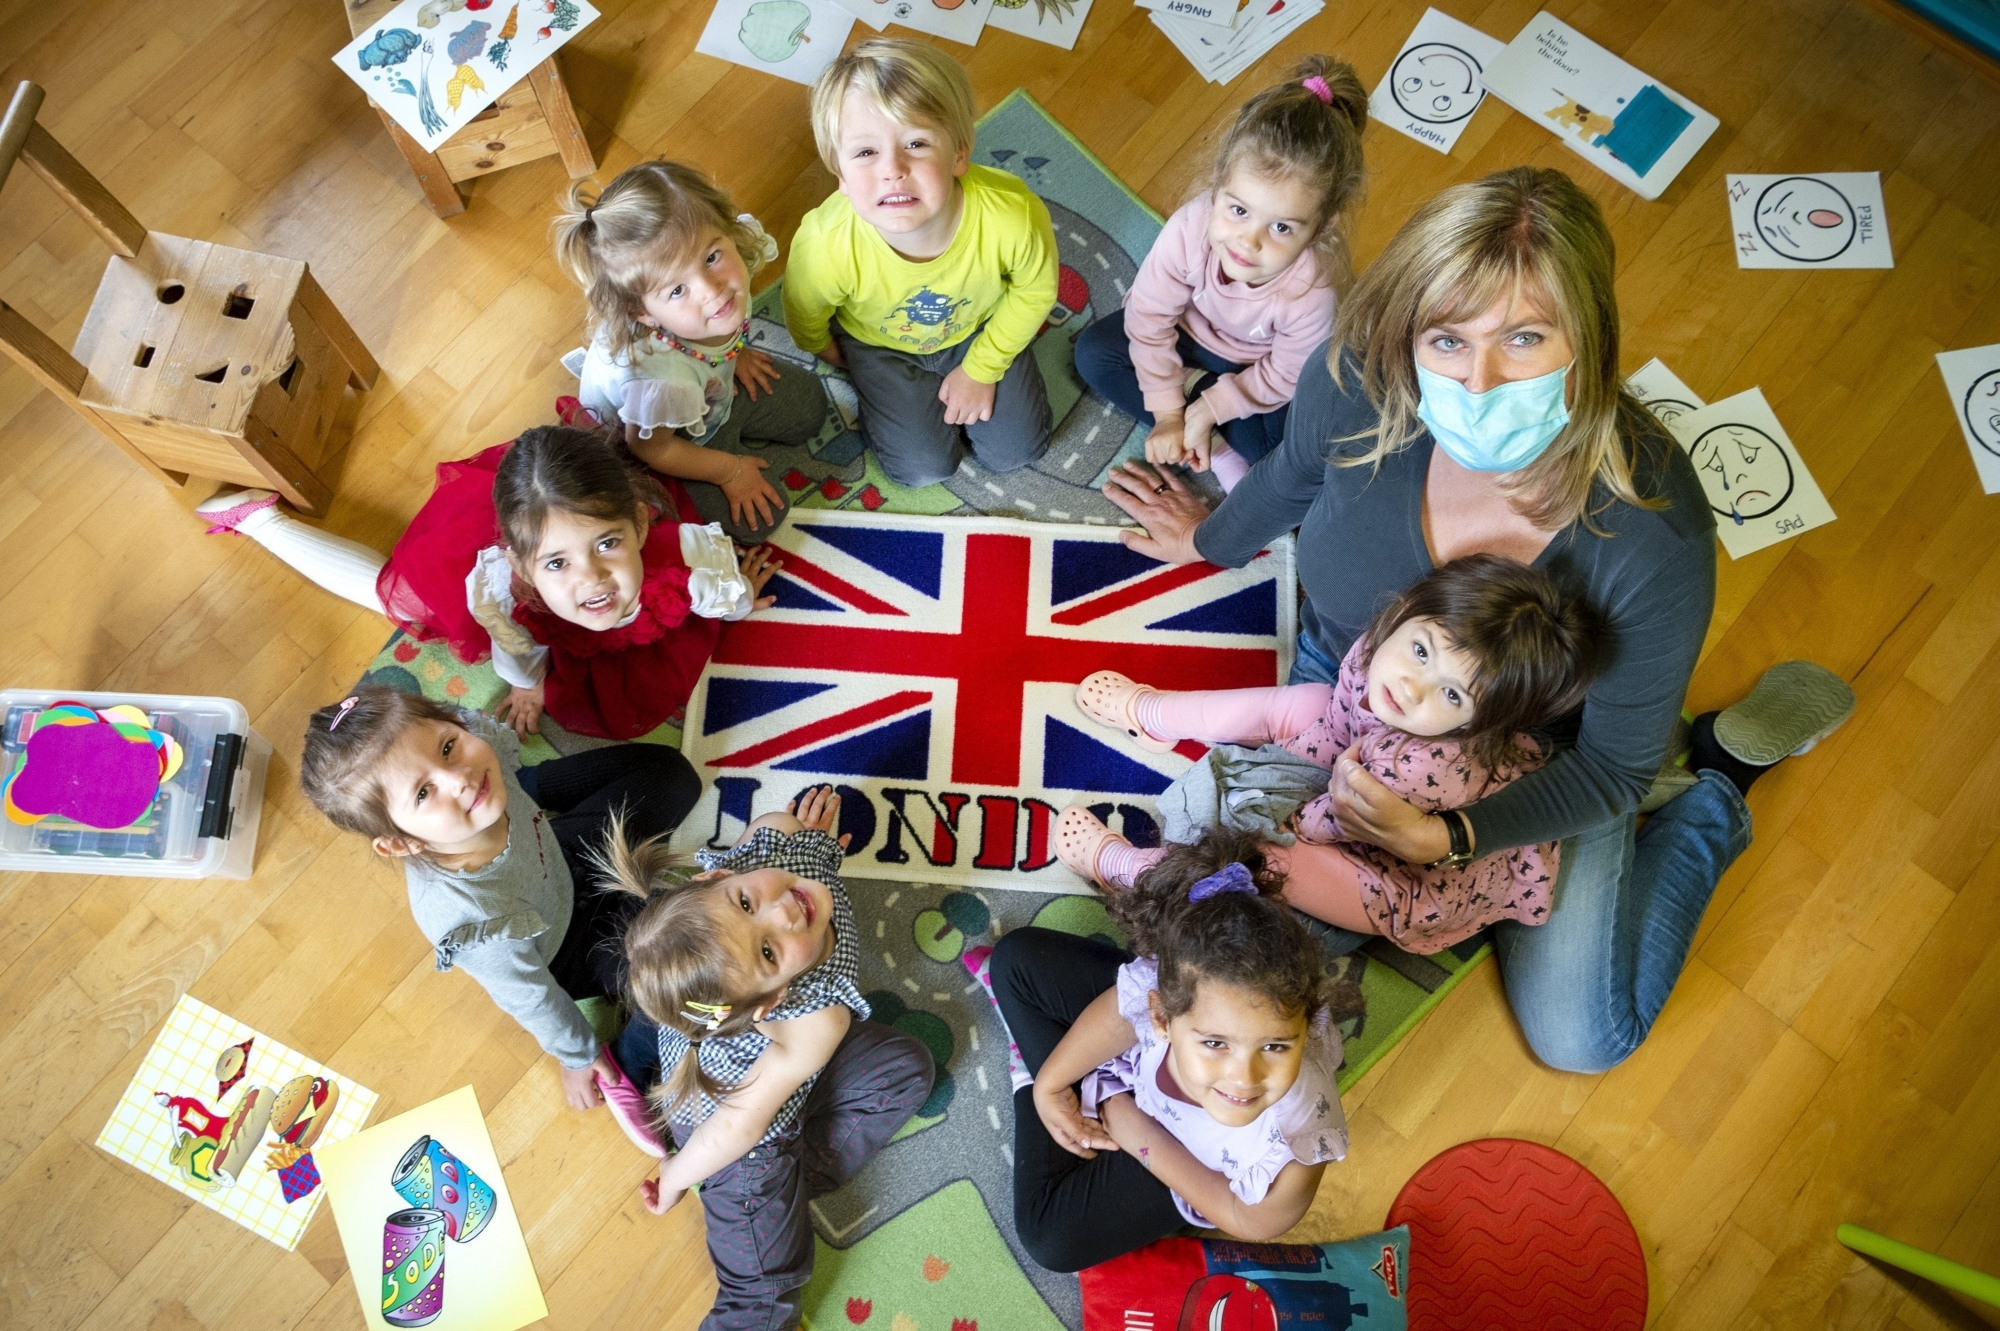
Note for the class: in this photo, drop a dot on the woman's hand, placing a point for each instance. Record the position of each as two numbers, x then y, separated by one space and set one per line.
818 810
1367 810
659 1203
1163 444
1163 505
1062 1115
750 494
758 565
755 372
1198 433
580 1084
522 709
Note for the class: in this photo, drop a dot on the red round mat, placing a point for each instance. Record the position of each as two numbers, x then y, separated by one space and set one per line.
1509 1234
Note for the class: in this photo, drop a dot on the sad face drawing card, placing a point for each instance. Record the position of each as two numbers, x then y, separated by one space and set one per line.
1755 480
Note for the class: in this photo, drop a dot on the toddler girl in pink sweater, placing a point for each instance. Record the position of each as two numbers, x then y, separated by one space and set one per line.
1239 287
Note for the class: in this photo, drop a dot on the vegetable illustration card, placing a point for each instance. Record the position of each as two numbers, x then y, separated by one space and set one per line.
955 20
1662 391
1435 83
234 1119
435 64
1756 482
794 39
1832 219
1635 129
1056 22
1972 377
430 1232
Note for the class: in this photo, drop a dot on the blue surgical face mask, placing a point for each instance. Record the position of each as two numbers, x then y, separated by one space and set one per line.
1503 429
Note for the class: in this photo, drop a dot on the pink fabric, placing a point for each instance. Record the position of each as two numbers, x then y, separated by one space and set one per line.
1229 466
1120 862
1236 716
1270 329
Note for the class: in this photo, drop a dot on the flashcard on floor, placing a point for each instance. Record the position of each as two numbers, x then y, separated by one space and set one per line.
1756 482
1056 22
1972 377
954 20
1434 84
198 1113
1662 391
1218 13
794 39
1829 220
875 13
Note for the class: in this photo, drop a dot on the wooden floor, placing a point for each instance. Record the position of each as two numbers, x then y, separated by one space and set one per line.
1830 1052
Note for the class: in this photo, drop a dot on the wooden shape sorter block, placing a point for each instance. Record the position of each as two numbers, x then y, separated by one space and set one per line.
532 119
194 358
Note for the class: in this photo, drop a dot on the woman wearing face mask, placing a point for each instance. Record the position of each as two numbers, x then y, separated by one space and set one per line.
1470 402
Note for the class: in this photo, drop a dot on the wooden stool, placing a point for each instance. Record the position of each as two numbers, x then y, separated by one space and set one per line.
195 357
532 119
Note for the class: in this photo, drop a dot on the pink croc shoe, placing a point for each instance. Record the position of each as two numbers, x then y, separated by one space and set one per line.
630 1109
1110 699
226 512
1080 838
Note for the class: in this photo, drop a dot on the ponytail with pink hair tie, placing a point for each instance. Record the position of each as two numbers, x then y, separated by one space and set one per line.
1317 87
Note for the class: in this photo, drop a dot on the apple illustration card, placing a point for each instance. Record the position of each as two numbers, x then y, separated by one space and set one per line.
1056 22
1633 128
1755 480
1662 391
794 39
1434 84
1832 219
1972 377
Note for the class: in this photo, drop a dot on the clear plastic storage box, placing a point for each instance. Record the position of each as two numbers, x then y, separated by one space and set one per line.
203 822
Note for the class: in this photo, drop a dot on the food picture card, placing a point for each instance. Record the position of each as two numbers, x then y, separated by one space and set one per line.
435 64
1056 22
428 1227
794 39
954 20
1755 480
235 1120
1972 377
1635 129
1833 219
1434 84
1662 391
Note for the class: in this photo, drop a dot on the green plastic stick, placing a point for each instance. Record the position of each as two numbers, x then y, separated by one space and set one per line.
1960 1279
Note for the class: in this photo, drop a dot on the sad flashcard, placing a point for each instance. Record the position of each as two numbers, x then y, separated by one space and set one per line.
1436 81
1833 219
1972 377
1755 480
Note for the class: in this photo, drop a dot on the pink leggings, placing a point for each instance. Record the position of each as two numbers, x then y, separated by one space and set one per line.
1320 880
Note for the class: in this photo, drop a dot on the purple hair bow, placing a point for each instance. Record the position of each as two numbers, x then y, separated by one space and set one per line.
1232 877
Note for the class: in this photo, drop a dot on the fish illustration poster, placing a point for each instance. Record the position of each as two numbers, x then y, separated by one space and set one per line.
435 64
1434 84
1755 480
430 1232
794 39
1972 377
223 1113
1829 220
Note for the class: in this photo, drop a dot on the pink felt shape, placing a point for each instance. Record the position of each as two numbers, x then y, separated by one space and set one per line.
89 774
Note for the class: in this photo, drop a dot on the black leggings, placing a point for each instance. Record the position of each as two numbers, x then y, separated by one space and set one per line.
1069 1212
655 788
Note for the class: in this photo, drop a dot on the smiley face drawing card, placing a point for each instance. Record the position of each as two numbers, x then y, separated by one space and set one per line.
1972 377
1434 84
1830 219
1755 480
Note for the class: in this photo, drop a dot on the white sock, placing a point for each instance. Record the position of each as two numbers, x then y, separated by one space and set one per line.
346 568
1228 466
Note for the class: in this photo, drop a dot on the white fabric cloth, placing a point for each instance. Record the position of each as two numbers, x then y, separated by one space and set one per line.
346 568
716 583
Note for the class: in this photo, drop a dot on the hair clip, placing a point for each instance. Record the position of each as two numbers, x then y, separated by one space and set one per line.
705 1015
1317 87
1232 877
346 706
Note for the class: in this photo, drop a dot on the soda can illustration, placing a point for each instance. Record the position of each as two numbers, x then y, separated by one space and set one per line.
430 1176
413 1267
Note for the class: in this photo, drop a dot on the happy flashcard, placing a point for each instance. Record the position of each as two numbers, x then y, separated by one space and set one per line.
234 1119
1434 85
1056 22
1662 391
1632 127
429 1229
794 39
435 64
1833 219
1756 482
1972 377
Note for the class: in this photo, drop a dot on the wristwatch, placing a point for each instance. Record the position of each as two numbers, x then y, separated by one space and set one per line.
1460 853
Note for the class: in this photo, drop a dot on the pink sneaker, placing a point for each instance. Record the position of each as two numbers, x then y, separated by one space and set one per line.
630 1109
226 512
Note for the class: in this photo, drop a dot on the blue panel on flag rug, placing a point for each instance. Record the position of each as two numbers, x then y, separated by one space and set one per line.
734 701
792 595
1083 567
910 557
900 750
1252 610
1073 760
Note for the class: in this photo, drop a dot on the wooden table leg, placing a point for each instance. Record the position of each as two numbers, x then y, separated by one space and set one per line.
439 191
553 94
361 366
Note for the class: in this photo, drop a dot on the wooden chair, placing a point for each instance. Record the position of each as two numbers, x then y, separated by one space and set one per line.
195 358
530 120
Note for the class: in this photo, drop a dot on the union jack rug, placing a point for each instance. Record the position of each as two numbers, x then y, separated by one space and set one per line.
927 668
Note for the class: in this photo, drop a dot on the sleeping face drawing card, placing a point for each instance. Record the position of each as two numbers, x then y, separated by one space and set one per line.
1972 378
1755 480
1826 220
1434 84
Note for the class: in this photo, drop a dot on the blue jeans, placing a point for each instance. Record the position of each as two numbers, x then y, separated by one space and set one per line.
1587 985
1104 361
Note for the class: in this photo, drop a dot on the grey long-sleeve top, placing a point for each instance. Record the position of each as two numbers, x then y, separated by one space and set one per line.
1361 542
502 924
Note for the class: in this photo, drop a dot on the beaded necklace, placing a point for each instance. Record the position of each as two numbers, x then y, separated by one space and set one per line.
703 355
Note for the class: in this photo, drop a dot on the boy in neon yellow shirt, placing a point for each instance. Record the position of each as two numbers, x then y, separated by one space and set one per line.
924 277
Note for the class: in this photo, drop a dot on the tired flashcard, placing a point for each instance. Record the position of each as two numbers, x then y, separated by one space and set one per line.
1663 392
1632 127
1972 377
1756 482
794 39
1833 219
1435 83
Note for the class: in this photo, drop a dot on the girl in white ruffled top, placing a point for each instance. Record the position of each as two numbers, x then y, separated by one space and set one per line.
665 262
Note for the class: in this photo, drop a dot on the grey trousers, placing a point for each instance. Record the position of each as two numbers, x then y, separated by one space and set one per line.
790 413
760 1234
903 420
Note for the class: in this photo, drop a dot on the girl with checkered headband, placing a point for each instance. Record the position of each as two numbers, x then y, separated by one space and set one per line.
774 1084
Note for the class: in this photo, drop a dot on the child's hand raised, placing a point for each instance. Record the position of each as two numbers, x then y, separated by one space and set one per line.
966 400
1164 446
657 1202
1062 1115
755 372
818 809
758 565
522 709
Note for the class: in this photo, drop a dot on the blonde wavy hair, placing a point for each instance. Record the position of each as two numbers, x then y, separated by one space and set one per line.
909 82
625 241
1527 234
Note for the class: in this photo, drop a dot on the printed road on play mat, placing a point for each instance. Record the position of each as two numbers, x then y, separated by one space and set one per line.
927 1229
